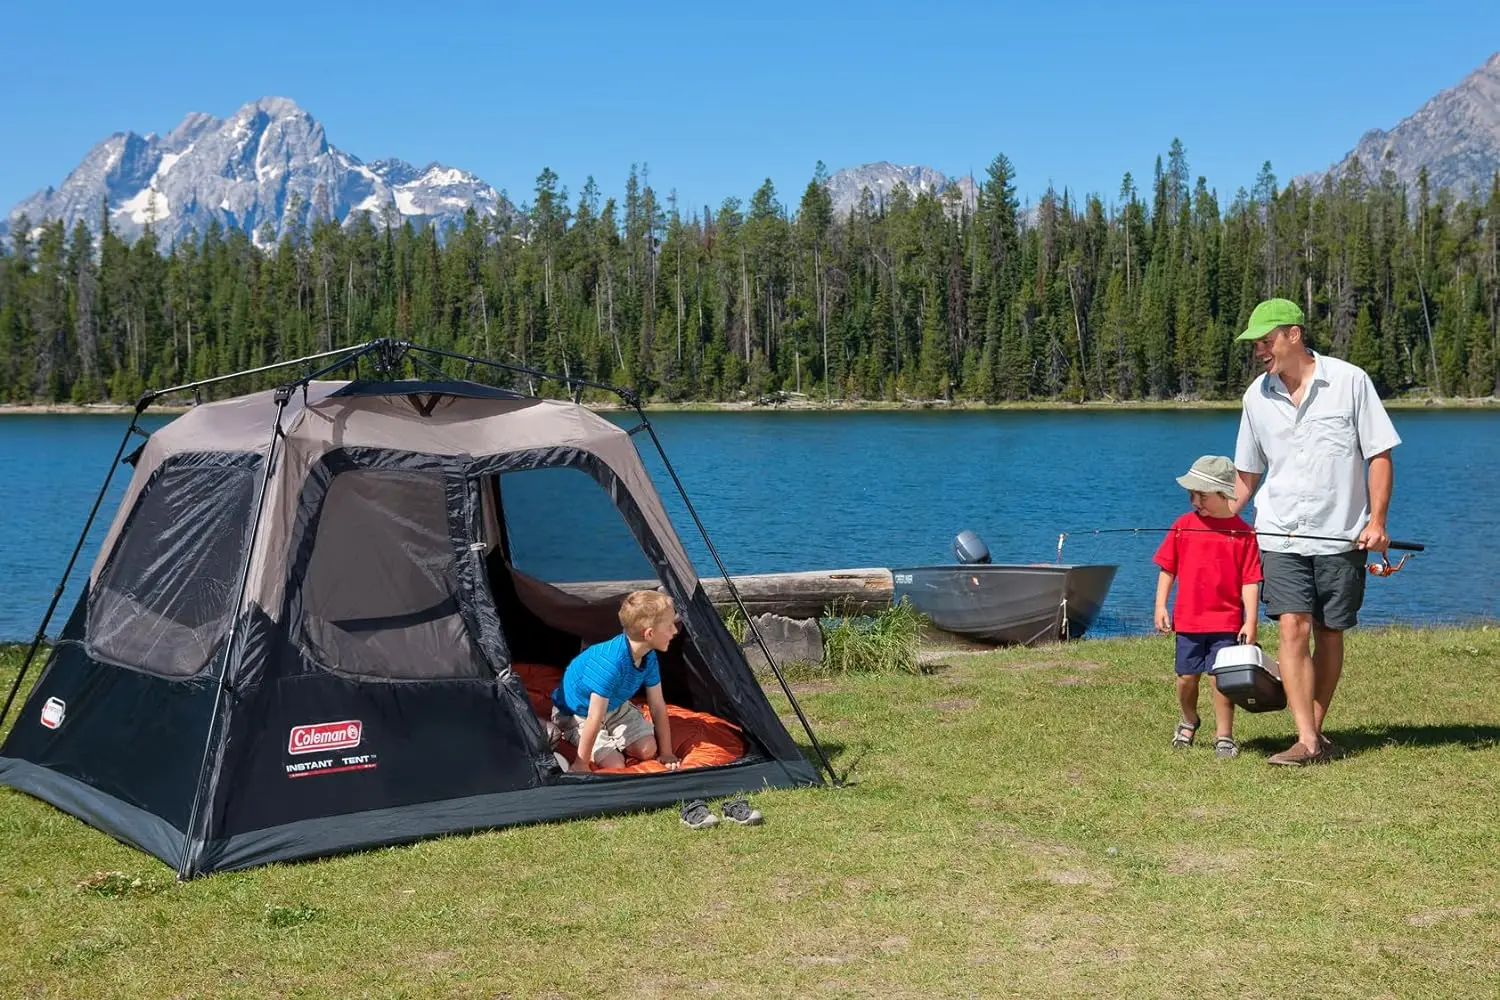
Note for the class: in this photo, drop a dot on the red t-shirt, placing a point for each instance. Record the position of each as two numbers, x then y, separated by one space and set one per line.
1211 565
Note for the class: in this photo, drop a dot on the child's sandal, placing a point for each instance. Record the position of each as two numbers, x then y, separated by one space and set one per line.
1226 747
1183 737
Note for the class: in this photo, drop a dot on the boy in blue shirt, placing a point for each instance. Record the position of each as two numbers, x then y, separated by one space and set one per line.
592 708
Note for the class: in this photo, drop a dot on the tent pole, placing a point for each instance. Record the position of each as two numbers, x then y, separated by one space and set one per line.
734 593
197 815
357 349
536 373
41 631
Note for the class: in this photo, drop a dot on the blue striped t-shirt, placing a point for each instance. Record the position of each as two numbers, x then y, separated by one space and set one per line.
606 669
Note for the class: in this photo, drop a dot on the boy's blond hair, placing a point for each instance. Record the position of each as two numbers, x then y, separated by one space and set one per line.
643 608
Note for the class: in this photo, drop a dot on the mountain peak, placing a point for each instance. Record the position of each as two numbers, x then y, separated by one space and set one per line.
847 186
268 163
193 125
1455 135
274 107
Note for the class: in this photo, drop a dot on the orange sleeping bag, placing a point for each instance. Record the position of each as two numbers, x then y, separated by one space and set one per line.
699 739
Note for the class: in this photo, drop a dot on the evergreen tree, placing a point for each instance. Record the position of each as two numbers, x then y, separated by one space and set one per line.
909 295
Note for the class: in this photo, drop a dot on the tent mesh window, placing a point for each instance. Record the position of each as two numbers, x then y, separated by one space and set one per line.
566 559
164 600
381 594
561 526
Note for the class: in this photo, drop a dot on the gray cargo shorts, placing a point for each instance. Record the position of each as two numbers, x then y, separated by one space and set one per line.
1331 588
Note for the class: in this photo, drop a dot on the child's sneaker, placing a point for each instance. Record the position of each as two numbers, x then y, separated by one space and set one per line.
696 815
1226 747
740 812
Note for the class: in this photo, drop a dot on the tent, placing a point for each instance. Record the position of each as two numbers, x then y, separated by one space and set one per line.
311 625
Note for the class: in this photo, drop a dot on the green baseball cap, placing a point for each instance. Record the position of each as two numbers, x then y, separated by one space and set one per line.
1269 315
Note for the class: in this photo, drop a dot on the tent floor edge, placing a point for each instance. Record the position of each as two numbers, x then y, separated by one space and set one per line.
324 836
119 819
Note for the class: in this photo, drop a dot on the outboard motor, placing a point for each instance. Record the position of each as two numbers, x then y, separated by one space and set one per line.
970 548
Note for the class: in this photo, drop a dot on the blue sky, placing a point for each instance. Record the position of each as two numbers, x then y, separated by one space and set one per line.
717 97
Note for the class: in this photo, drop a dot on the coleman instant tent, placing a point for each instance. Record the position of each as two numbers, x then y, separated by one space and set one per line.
312 625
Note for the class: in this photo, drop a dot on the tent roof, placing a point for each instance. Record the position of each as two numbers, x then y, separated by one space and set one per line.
475 419
421 417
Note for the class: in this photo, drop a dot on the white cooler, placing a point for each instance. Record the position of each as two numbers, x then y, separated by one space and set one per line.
1249 678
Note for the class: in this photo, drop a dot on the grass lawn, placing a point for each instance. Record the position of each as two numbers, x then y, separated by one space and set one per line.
1016 825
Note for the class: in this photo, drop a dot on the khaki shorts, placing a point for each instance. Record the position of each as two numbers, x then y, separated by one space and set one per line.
622 727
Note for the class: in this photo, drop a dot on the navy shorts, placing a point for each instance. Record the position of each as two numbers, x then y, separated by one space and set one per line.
1196 651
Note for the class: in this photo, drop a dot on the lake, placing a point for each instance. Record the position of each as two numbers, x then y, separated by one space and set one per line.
785 491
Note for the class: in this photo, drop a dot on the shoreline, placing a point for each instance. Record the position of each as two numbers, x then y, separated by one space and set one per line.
938 640
837 406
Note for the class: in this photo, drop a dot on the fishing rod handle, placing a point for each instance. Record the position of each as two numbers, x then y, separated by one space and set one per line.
1406 546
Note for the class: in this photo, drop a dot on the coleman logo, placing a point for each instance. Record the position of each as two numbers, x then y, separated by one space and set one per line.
322 736
53 711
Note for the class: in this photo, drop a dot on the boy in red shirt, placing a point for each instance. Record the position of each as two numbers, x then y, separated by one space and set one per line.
1212 555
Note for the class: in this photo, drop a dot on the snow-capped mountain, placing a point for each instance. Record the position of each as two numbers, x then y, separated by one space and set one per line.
267 164
881 178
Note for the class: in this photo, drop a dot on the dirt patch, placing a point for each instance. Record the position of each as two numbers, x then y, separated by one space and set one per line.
1070 876
1078 876
996 830
818 959
1198 813
435 959
857 886
895 945
783 889
1188 861
1043 932
951 708
1056 863
1429 917
1038 849
1070 680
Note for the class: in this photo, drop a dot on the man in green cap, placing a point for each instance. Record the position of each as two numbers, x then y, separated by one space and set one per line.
1316 441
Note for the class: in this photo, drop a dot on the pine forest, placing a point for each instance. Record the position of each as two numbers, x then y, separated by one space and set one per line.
915 297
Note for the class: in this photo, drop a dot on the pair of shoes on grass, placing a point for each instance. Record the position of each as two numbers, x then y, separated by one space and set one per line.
697 816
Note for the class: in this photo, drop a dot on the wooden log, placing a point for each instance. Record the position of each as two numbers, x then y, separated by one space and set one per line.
805 594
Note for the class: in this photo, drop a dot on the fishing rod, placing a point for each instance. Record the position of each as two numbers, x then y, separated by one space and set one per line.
1383 568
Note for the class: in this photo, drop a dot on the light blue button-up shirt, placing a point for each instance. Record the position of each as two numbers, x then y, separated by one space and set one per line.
1313 457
